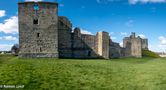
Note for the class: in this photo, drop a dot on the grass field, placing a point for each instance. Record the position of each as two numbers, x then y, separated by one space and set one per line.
66 74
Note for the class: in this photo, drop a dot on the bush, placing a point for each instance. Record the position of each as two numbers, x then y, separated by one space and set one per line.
148 53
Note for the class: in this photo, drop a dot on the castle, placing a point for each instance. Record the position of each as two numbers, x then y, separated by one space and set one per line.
42 33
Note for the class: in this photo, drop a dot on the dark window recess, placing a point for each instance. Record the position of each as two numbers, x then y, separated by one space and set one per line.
40 49
35 21
38 34
61 23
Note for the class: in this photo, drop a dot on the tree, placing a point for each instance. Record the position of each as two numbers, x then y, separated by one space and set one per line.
15 49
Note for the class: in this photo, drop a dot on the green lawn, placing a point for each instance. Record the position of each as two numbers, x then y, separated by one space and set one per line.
67 74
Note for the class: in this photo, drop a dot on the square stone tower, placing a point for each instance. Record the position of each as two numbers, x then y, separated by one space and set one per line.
103 41
38 29
132 46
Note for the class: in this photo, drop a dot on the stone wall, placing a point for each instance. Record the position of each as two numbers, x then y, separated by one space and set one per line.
43 34
144 44
38 29
127 47
64 37
114 50
83 45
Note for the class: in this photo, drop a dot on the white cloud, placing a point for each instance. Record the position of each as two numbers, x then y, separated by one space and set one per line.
34 0
8 38
2 13
10 25
85 32
111 33
113 38
162 40
162 44
142 36
146 1
155 48
133 1
124 33
121 44
159 47
5 47
106 1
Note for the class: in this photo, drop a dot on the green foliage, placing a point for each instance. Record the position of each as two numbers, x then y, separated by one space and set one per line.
148 53
67 74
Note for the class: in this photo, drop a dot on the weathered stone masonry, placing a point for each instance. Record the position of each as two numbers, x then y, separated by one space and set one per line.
42 33
134 45
38 29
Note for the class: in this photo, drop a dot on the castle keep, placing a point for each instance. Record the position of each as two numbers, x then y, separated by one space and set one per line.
42 33
38 29
134 45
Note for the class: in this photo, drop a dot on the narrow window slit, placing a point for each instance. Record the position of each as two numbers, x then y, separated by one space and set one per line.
38 34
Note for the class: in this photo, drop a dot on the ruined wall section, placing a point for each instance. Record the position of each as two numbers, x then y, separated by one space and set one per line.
90 43
79 49
64 37
83 45
114 50
144 44
38 29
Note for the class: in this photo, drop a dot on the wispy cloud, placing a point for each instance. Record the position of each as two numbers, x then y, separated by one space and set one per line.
133 1
2 13
107 1
61 5
146 1
83 31
162 40
8 38
142 36
111 33
113 38
123 33
129 23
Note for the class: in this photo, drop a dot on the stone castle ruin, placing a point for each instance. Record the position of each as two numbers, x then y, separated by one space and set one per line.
42 33
133 46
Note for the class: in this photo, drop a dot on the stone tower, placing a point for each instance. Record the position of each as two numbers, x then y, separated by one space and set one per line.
133 46
38 29
103 41
136 50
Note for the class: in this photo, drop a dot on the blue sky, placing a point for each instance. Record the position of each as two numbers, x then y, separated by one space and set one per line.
118 17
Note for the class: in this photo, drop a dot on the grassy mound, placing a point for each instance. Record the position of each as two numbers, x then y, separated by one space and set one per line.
148 53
